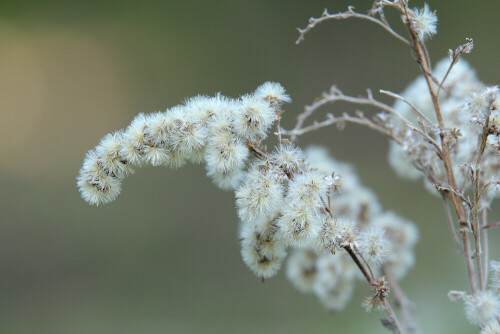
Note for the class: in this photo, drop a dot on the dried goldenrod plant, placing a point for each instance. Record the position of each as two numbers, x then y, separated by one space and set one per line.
444 129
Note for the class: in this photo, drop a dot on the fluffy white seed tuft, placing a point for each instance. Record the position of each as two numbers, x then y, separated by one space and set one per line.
108 152
273 92
253 118
495 274
424 21
328 237
491 327
373 245
95 184
301 269
482 307
261 249
260 196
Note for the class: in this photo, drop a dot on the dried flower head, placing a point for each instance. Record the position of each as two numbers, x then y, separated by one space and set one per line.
482 307
424 22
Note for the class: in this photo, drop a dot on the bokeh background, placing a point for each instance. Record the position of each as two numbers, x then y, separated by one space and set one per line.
164 257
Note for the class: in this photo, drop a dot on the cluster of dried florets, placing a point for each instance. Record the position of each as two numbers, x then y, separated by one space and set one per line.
382 239
445 129
285 199
290 199
215 130
466 106
483 308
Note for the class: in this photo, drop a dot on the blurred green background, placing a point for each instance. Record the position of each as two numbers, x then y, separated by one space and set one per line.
164 257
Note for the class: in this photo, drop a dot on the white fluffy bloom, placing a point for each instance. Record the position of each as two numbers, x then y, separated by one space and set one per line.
307 189
301 269
133 146
214 130
225 152
402 236
299 224
288 157
300 221
253 118
373 245
260 196
401 163
328 237
495 274
158 127
226 180
424 21
321 160
108 152
336 298
360 205
455 295
187 132
477 104
156 155
155 148
332 288
96 186
273 92
400 232
491 327
349 235
262 251
329 273
482 307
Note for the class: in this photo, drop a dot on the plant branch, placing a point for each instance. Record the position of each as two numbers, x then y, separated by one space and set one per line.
450 222
399 97
403 302
396 328
350 13
345 118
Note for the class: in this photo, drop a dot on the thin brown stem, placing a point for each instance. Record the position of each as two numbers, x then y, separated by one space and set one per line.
397 327
336 95
399 97
403 302
258 152
350 13
420 53
361 267
468 259
484 233
340 120
476 181
450 222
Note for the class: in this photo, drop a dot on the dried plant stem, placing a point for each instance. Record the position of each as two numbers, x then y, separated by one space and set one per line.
350 13
397 327
422 60
455 56
450 222
409 321
336 95
258 152
484 233
361 267
477 234
399 97
428 138
345 118
470 266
